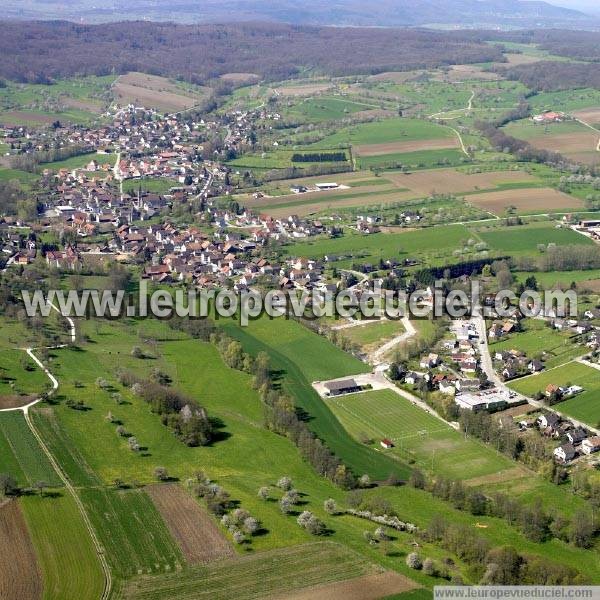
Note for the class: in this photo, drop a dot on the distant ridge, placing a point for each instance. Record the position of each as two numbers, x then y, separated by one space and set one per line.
506 14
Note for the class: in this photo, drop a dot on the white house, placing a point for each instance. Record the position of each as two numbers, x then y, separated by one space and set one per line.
590 445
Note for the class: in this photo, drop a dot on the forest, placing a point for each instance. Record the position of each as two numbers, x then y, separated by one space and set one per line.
40 52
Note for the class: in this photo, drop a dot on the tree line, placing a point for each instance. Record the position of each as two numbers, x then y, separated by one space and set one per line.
319 157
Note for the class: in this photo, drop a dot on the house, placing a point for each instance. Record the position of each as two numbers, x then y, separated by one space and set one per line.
576 436
387 444
565 453
550 420
535 366
427 362
342 386
591 445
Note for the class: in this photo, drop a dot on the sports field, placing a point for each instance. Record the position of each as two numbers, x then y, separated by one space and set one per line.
417 435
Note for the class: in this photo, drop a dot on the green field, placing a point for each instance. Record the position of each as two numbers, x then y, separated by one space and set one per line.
537 338
256 576
70 567
21 456
418 436
528 130
523 239
435 245
549 279
386 131
14 379
324 108
132 532
422 159
373 333
585 406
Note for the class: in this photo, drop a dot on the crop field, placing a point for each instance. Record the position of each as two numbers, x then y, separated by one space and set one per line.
404 147
589 115
572 139
451 181
156 92
424 159
585 406
526 238
280 159
20 575
387 131
21 454
132 532
538 338
385 245
67 558
326 108
569 101
417 435
76 100
267 574
197 534
323 202
306 89
550 279
526 201
238 78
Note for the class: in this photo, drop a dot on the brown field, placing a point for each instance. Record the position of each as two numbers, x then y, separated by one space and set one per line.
15 401
589 115
240 77
303 90
367 587
192 527
18 116
20 575
395 76
152 92
593 285
531 200
520 59
462 72
413 146
452 181
378 113
580 146
88 105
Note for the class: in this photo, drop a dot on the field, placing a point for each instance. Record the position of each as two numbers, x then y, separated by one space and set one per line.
77 100
585 406
572 139
132 532
526 238
424 159
404 147
525 201
156 92
15 380
20 575
417 435
538 338
66 555
451 181
393 245
306 89
198 536
262 575
550 279
373 334
324 108
21 455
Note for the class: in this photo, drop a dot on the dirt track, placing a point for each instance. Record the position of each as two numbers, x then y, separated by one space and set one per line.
199 537
20 575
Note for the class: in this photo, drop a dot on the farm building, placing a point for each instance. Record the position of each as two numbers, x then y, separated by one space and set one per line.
387 444
326 186
488 400
342 386
549 117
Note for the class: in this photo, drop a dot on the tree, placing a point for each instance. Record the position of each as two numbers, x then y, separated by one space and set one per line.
251 525
238 537
364 481
429 567
292 496
41 486
8 485
137 352
380 534
417 479
315 526
583 529
285 483
413 561
161 474
304 518
285 506
330 506
263 493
